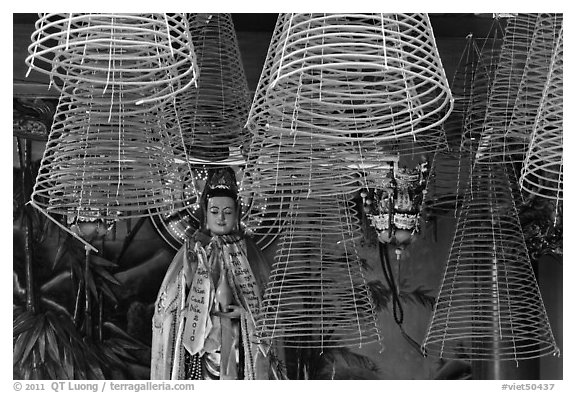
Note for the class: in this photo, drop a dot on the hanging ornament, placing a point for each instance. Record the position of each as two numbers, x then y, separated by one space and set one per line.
393 201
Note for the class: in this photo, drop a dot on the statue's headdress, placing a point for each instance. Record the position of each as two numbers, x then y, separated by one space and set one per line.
220 182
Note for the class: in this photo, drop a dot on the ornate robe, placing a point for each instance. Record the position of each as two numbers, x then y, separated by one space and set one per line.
184 321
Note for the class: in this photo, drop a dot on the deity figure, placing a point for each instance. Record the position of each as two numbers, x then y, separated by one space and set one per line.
204 323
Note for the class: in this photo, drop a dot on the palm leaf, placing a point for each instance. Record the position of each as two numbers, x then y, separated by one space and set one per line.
51 342
55 282
102 262
104 274
35 333
381 295
23 322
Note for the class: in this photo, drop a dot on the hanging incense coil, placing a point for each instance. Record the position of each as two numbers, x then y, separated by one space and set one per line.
146 56
489 306
317 296
351 77
461 88
449 176
101 167
543 168
505 87
532 85
213 115
488 56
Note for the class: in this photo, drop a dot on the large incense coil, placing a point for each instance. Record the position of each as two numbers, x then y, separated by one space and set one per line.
505 88
100 167
532 85
488 56
213 115
288 165
489 305
447 183
151 54
433 140
543 168
461 88
351 77
317 296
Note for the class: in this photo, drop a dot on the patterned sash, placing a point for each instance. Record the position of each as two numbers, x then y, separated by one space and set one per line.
200 329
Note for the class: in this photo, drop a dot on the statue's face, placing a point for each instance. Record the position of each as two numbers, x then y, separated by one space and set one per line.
221 215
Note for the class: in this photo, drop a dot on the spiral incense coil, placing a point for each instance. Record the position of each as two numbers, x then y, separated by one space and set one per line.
504 90
289 165
96 167
213 115
351 77
542 170
532 85
489 305
447 182
147 54
461 88
488 56
317 296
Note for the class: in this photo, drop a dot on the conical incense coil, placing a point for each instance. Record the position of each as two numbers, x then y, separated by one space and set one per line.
290 165
489 53
317 296
213 115
489 305
532 85
447 183
101 167
461 88
352 77
504 90
543 168
137 52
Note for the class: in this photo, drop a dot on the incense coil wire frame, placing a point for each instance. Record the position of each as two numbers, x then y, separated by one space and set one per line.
542 170
213 115
489 306
317 296
151 54
532 85
96 167
351 77
504 90
489 49
447 183
461 88
429 142
289 165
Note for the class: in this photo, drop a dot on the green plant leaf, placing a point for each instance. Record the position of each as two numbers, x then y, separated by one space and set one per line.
42 345
120 332
36 331
19 345
58 308
108 292
23 322
51 343
100 261
105 274
91 283
68 365
55 282
62 250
